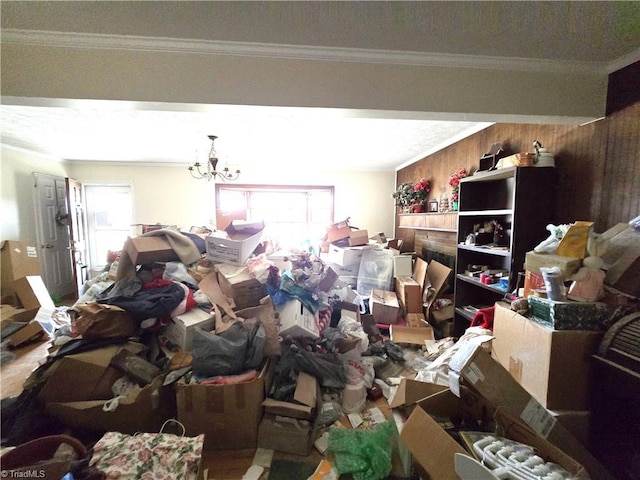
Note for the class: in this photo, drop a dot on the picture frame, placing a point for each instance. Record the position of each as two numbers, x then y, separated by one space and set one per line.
433 206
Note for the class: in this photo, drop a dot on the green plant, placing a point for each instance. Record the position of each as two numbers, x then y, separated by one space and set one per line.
403 194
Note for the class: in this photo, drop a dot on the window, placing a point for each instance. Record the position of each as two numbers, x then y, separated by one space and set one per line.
109 214
295 216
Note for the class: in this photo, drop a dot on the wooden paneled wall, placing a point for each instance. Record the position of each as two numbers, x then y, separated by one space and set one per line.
597 168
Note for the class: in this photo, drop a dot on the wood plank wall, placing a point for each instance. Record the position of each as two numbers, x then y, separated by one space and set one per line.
597 168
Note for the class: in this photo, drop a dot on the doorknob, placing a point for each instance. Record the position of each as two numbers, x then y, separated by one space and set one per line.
49 245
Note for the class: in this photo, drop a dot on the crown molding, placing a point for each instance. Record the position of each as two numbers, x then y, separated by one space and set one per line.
302 52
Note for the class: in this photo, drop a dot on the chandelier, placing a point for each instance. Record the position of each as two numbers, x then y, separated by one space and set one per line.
211 171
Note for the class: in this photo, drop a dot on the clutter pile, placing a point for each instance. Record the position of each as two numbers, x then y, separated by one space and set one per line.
208 341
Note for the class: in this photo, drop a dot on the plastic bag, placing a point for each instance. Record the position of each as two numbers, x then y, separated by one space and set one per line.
376 271
366 454
177 271
259 267
222 354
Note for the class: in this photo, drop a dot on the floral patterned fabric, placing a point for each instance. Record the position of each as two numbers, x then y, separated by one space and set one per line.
148 456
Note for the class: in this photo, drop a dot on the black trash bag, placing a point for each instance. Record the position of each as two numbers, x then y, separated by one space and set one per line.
151 303
222 354
255 348
328 368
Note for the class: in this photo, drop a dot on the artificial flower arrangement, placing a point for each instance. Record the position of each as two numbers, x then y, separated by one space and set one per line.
420 190
454 181
408 194
403 194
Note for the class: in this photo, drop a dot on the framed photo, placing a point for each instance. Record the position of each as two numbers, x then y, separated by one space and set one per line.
433 206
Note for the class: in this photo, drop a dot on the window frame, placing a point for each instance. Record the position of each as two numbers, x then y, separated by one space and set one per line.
271 188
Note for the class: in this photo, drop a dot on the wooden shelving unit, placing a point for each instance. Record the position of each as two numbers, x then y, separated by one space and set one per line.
521 200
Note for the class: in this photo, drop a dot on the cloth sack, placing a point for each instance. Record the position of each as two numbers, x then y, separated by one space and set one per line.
148 455
95 320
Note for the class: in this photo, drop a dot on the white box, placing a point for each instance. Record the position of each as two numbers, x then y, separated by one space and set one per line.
345 255
297 321
402 266
180 330
235 244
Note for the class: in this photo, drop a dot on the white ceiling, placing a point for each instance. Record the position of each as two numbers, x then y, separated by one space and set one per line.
591 35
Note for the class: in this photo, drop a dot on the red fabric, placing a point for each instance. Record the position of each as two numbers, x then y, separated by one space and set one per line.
484 318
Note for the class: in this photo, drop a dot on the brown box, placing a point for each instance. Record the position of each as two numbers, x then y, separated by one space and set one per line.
151 249
534 261
358 237
409 294
16 260
145 410
410 335
552 365
481 373
33 293
384 306
228 415
31 331
338 231
238 284
416 320
435 459
290 427
84 376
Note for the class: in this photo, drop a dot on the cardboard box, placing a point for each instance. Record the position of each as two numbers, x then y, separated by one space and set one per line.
286 434
228 414
409 294
358 237
16 260
534 261
384 306
307 400
569 315
33 293
145 410
554 366
297 321
338 231
151 249
37 302
290 427
345 255
180 330
236 243
238 284
84 376
416 320
410 392
483 374
32 331
410 335
436 278
435 458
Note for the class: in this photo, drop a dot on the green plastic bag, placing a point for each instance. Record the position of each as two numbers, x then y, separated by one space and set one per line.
365 454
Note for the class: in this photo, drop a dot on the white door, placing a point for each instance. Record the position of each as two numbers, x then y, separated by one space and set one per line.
52 231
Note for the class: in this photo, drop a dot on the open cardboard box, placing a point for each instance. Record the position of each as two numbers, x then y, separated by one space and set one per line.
434 449
473 367
291 427
228 414
403 335
78 385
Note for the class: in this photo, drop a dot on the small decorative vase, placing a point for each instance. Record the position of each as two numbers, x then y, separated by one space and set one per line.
454 206
417 208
